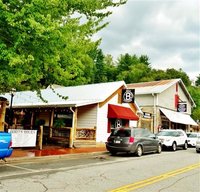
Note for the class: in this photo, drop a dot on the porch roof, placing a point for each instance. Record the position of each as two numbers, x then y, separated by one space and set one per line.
77 95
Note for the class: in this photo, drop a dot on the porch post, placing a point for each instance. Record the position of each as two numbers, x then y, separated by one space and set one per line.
73 129
51 123
32 115
2 114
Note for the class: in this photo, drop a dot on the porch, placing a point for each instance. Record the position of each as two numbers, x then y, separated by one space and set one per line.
59 126
67 137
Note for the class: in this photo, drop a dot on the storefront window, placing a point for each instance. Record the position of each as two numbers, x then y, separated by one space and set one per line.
61 120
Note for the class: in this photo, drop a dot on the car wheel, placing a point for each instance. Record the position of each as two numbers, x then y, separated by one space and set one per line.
174 147
185 146
139 151
159 149
113 153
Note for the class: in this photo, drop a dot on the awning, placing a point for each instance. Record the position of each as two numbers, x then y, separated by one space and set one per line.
119 112
178 117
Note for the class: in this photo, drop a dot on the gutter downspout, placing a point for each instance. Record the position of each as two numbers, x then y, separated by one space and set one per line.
155 100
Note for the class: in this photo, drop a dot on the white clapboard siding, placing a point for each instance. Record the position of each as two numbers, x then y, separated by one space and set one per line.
87 116
102 125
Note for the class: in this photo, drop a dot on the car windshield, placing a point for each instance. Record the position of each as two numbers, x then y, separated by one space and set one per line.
167 133
122 133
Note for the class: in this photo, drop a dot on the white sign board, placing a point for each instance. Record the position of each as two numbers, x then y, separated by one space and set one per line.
23 138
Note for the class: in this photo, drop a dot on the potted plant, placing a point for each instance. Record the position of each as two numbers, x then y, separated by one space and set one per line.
59 123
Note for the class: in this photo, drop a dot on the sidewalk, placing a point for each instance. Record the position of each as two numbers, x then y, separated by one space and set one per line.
52 151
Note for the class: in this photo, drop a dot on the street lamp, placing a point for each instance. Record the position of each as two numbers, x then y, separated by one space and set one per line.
12 93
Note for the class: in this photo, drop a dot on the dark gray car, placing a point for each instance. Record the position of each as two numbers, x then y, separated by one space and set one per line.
133 140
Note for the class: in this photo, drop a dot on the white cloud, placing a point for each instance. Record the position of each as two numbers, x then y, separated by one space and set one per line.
167 31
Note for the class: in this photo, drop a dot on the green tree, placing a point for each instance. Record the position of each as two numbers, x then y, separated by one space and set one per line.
133 69
197 82
144 59
47 42
195 94
173 74
158 74
135 74
124 62
110 67
100 70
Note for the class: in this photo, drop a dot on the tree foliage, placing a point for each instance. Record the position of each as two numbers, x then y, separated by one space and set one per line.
110 68
47 42
100 70
195 93
197 82
158 74
132 69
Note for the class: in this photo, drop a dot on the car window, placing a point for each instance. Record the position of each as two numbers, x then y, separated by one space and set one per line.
122 133
180 133
193 135
167 133
140 132
149 133
137 132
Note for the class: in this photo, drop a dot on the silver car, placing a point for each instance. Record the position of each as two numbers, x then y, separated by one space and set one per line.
198 145
192 139
173 138
133 140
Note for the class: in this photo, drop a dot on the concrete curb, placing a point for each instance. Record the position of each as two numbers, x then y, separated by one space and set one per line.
52 157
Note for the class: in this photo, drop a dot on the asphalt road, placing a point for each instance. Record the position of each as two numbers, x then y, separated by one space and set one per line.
166 172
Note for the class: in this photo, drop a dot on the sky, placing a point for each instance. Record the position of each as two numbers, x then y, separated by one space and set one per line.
167 31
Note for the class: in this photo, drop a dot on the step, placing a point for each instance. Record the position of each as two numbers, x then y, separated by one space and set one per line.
84 143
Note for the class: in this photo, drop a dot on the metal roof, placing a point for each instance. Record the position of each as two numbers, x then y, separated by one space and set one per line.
77 95
158 87
152 87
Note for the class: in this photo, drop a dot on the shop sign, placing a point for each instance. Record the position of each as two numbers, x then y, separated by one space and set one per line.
128 95
23 138
118 123
182 107
147 115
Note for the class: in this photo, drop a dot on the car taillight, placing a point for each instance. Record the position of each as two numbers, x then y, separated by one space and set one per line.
131 139
10 144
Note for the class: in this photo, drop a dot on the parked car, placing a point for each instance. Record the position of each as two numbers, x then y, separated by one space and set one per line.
133 140
188 134
198 145
5 145
192 139
173 138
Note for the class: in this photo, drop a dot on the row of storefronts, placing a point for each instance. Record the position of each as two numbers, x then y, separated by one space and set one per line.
91 112
165 104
